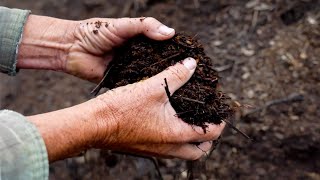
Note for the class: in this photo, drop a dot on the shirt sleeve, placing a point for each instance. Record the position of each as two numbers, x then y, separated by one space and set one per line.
23 153
11 27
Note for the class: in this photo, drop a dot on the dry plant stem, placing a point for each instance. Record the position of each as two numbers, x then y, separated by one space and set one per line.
96 90
192 100
290 99
175 55
236 129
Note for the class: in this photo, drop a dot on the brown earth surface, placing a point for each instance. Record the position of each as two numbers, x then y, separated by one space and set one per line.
267 53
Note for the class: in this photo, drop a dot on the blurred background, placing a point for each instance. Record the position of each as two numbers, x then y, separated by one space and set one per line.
267 53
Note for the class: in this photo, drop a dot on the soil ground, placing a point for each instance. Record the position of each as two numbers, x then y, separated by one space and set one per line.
265 50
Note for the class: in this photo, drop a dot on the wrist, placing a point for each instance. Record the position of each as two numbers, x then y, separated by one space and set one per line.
66 132
45 43
105 115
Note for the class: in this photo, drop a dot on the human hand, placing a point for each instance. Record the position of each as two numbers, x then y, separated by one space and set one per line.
137 118
143 121
81 48
96 38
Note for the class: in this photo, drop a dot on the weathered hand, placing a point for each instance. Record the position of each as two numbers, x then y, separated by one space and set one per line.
95 39
143 121
137 118
81 48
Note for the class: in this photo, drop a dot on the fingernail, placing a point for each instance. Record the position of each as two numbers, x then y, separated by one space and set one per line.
165 30
190 63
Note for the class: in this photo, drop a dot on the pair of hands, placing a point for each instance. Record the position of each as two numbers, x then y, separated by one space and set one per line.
136 118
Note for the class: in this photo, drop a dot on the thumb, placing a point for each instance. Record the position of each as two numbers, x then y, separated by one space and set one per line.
150 27
176 76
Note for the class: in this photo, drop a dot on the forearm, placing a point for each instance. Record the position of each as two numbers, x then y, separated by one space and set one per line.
45 43
67 132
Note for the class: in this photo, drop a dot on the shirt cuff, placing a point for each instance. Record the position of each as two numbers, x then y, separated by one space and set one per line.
11 27
23 151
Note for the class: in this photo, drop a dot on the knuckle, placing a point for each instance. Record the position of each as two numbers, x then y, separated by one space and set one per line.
150 19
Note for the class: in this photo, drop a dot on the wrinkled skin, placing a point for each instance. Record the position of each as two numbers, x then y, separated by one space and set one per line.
149 125
136 118
92 49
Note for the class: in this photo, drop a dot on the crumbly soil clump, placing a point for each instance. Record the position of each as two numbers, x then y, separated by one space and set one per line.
198 102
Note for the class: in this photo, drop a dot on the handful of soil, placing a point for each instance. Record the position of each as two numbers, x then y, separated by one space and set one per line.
197 102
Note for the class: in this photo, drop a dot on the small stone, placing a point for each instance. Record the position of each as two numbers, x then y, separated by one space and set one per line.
303 55
247 52
279 136
250 94
312 20
217 43
272 43
234 150
294 117
245 75
184 174
264 128
80 160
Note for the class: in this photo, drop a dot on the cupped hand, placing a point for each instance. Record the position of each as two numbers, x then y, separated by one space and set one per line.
95 39
138 118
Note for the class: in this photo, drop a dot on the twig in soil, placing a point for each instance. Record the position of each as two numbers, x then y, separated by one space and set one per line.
96 90
195 36
236 129
192 100
166 87
223 68
167 58
184 112
290 99
254 21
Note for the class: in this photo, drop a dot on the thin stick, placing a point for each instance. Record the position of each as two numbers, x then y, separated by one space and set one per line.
172 56
291 98
236 129
184 112
96 90
192 100
166 87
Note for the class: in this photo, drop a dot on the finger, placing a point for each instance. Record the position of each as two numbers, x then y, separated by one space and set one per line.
173 77
152 28
212 132
192 152
183 151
